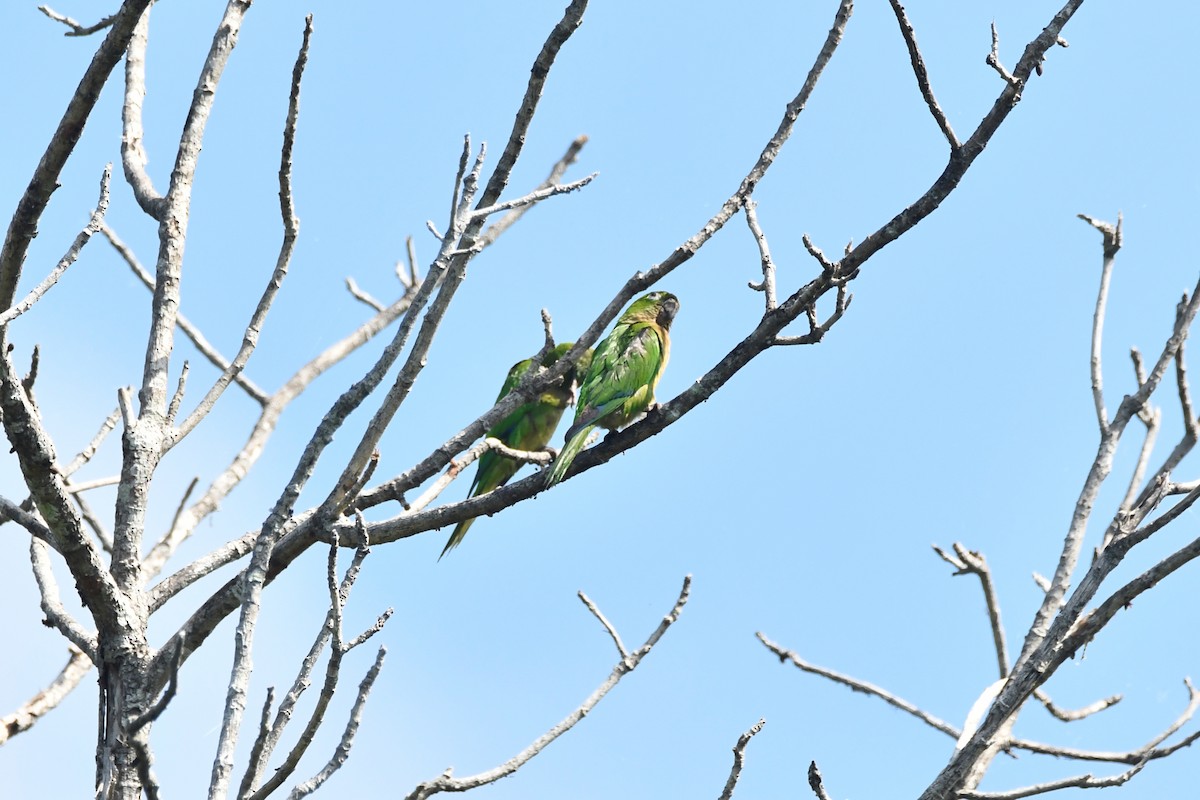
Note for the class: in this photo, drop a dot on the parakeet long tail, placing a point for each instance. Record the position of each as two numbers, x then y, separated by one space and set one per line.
460 530
569 451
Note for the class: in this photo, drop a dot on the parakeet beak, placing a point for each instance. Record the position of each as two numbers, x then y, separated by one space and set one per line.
670 307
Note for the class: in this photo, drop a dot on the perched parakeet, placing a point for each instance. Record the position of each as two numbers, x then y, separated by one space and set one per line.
528 427
619 384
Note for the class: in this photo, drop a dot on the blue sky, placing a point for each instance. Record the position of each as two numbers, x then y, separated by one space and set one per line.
952 402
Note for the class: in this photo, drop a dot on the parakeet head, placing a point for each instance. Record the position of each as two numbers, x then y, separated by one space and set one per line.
572 376
555 354
657 307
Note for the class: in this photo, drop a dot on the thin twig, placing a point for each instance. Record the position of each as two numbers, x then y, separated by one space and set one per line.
447 783
739 759
133 151
816 783
160 705
493 231
342 751
77 29
1073 715
767 285
52 606
24 223
291 227
993 60
922 75
534 197
1112 243
973 563
189 330
363 297
859 686
616 637
48 699
85 236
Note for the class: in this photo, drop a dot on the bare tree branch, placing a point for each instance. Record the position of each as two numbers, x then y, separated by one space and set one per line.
816 783
616 637
24 223
48 699
969 562
363 297
52 606
1112 243
189 329
922 75
447 783
493 231
68 259
856 685
342 752
291 225
739 759
1072 715
133 151
767 285
993 61
77 29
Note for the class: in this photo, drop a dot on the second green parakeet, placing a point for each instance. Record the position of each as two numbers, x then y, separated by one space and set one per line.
619 384
528 427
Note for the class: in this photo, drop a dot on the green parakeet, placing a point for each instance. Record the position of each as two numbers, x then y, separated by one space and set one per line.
528 427
619 384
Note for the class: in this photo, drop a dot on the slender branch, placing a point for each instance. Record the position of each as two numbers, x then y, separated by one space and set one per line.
534 197
52 606
1078 782
816 783
993 61
969 562
859 686
616 637
342 752
10 511
133 151
739 759
160 705
85 455
69 258
1073 715
24 222
1147 752
291 225
77 29
922 75
269 735
48 699
185 325
1152 419
493 231
363 297
473 453
767 285
1112 243
447 783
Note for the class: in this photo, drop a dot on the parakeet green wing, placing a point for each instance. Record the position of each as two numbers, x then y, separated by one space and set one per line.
527 427
624 372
